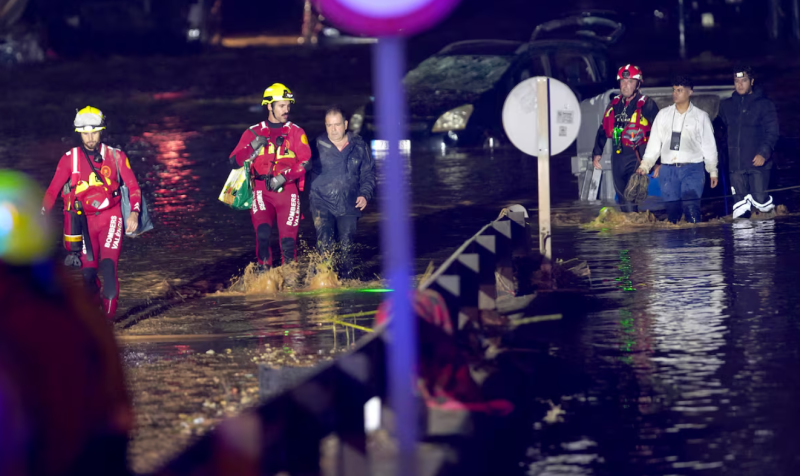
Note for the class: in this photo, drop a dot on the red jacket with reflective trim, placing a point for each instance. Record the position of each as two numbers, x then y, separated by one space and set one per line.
294 151
73 169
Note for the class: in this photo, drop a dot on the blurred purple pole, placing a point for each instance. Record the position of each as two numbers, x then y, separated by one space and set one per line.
388 64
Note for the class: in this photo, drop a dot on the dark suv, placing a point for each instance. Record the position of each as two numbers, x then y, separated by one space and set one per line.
455 97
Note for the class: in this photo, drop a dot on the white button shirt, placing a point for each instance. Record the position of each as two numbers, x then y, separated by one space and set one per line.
697 139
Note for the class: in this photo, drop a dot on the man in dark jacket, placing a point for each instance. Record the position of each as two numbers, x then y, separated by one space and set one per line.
342 183
751 123
627 121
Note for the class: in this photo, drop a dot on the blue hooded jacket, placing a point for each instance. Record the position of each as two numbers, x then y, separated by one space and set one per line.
338 178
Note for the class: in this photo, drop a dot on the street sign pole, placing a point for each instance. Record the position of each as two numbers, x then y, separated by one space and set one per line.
542 118
543 99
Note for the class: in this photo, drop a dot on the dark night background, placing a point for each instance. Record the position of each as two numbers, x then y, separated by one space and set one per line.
742 28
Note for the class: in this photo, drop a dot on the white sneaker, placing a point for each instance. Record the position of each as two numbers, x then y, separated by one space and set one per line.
763 207
742 208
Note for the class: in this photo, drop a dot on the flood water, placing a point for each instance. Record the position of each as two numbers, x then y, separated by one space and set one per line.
686 364
689 367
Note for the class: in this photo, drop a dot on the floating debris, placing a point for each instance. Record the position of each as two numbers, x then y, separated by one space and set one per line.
611 217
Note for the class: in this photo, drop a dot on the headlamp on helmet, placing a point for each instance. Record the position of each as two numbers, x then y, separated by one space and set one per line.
629 71
89 119
277 92
742 71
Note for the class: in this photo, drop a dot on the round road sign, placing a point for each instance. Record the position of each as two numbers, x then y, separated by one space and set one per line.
521 116
386 17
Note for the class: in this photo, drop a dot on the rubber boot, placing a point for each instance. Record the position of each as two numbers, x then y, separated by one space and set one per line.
674 211
91 282
263 251
288 250
693 214
110 308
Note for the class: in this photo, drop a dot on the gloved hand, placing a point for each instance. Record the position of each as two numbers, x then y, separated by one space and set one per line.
256 144
73 260
276 183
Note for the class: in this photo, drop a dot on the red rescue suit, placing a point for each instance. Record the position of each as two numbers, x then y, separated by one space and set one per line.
99 201
286 153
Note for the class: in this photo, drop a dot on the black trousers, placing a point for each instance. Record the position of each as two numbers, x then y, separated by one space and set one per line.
623 166
335 236
750 181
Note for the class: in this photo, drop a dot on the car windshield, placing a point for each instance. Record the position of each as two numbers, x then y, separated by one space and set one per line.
470 73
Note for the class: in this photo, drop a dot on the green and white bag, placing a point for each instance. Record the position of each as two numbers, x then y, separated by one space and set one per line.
238 190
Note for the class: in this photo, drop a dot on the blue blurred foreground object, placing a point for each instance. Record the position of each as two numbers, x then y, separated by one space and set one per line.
25 234
64 409
390 20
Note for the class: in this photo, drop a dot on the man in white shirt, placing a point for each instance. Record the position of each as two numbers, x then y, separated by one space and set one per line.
683 137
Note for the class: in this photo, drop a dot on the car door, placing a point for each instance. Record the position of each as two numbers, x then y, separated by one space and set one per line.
576 69
528 65
603 67
534 63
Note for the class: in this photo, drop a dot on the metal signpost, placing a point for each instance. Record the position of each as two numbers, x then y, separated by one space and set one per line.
542 117
390 21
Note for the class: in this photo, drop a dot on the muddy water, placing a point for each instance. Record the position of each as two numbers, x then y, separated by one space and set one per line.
687 369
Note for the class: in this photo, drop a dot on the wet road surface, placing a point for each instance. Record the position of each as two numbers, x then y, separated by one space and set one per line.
688 368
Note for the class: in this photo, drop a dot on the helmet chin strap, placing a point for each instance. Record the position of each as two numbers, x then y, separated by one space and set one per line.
272 117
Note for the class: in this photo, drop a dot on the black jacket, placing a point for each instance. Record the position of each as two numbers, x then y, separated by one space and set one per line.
339 178
751 124
649 111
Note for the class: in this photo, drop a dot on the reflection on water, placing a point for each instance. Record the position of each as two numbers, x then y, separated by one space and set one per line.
176 182
688 371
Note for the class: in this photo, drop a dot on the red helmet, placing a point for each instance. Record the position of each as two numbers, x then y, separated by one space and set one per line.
629 71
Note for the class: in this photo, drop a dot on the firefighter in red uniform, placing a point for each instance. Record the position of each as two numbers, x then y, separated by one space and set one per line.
88 179
627 122
277 153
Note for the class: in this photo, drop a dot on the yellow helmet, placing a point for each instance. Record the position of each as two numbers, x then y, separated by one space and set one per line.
89 119
25 232
277 92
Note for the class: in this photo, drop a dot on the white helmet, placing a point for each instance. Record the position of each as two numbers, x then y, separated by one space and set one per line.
89 119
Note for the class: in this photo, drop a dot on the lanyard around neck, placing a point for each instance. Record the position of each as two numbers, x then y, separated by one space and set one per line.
682 122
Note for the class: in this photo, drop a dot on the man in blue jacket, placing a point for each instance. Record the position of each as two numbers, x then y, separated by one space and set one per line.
342 183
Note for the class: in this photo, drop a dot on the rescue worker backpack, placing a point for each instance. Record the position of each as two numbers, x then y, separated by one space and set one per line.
145 222
99 193
636 130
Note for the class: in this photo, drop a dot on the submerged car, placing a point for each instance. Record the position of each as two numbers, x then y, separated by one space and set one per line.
455 97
